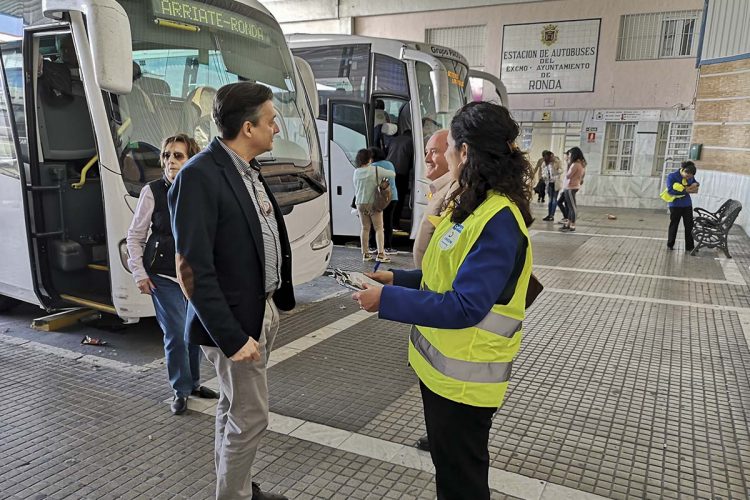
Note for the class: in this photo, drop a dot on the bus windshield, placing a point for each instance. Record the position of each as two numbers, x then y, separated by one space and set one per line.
182 53
457 87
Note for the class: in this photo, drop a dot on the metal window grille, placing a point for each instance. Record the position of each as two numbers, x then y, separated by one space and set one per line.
572 134
563 135
526 135
619 144
660 152
658 35
468 40
677 147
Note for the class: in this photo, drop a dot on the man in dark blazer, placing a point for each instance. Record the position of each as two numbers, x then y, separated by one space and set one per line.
234 265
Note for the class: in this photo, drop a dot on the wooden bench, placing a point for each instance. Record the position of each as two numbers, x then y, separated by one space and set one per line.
711 229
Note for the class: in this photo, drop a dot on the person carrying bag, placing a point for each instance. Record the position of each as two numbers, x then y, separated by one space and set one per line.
383 194
372 194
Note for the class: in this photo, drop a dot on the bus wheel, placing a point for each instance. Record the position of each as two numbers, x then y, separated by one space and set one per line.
7 303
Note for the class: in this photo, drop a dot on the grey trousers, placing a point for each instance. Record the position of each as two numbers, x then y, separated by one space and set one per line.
242 412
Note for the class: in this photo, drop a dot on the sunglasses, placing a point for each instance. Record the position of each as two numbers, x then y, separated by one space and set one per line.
177 155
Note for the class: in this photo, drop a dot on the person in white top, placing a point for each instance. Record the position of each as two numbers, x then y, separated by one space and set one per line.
551 171
151 258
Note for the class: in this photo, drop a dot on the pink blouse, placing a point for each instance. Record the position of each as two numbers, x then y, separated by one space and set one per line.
574 176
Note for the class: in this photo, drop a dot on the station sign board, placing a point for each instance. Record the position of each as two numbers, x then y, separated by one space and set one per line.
550 57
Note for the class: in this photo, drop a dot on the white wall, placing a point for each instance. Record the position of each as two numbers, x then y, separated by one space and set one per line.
656 84
717 187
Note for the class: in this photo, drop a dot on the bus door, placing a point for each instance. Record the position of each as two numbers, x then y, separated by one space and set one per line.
16 280
391 125
64 189
347 134
483 84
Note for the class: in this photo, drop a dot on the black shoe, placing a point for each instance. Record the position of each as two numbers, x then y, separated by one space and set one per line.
423 444
179 405
689 250
548 218
265 495
670 248
205 392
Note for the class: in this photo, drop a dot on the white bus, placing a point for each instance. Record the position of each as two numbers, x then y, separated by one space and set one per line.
88 91
419 85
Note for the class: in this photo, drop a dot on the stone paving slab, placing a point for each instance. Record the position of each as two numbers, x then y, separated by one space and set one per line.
622 398
655 288
602 403
347 380
87 434
310 317
633 256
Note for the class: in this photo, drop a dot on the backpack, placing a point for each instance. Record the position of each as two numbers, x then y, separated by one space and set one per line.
383 195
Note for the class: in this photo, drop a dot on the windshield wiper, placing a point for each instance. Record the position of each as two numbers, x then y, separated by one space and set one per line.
314 183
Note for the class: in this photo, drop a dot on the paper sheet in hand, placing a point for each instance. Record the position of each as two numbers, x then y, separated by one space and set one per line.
353 279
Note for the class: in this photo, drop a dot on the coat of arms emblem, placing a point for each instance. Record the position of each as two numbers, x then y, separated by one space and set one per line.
549 34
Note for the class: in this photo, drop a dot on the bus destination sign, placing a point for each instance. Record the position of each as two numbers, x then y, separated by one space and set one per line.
195 13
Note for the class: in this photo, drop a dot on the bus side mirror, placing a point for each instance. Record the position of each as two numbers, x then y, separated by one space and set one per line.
308 80
500 89
109 39
438 76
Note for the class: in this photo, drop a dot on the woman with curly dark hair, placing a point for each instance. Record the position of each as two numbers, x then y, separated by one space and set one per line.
467 303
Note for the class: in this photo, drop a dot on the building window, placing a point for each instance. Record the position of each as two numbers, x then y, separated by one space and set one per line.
470 41
662 134
658 35
619 142
527 132
672 147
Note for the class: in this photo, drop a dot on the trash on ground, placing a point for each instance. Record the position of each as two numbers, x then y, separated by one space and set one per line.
92 341
611 217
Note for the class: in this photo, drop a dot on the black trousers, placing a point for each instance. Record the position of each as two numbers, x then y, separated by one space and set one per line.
562 204
458 436
402 188
686 214
387 227
571 209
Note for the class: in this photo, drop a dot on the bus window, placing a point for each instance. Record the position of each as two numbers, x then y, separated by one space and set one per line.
13 61
340 71
349 130
176 74
389 110
8 163
65 130
390 76
457 77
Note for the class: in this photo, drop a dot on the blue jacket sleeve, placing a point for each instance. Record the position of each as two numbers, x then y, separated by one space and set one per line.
407 279
478 284
193 205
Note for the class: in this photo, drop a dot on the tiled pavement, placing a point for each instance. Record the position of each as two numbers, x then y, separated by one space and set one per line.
632 383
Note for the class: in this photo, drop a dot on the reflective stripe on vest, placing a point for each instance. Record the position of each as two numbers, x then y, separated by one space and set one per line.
495 323
464 371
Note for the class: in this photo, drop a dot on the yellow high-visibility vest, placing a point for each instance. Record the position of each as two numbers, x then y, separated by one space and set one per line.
469 365
677 186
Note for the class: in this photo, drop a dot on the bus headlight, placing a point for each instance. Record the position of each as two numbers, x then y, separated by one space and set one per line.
323 239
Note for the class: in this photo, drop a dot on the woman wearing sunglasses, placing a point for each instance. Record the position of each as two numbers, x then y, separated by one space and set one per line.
152 262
